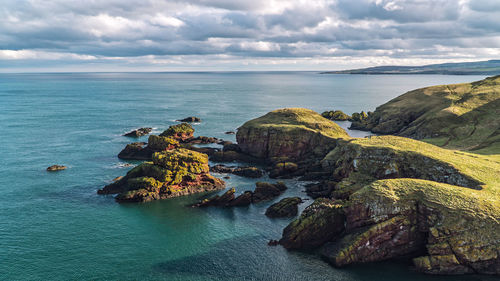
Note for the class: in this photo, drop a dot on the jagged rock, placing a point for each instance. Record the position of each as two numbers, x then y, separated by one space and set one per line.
171 173
139 132
319 223
230 133
54 168
202 140
139 150
190 119
266 191
179 132
294 133
286 207
222 200
244 199
273 243
231 147
321 189
249 172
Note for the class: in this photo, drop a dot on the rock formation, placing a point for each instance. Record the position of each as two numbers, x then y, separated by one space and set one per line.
138 132
54 168
286 207
190 119
172 173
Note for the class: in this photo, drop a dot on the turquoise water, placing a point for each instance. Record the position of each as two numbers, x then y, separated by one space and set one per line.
53 226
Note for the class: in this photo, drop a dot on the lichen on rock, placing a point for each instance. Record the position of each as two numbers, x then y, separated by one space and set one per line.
172 173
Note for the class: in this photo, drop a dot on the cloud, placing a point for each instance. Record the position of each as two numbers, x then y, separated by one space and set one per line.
235 33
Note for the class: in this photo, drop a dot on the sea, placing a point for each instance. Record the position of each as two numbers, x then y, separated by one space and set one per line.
53 225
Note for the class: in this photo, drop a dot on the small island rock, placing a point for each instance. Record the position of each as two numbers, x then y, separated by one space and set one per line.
286 207
139 132
54 168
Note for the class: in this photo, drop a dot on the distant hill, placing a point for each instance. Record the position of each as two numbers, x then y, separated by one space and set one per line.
490 67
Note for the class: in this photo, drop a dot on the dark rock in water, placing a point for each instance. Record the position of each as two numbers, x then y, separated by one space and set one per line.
231 147
207 150
231 156
227 177
190 119
320 222
223 200
230 133
266 191
202 140
179 132
321 189
54 168
286 207
244 199
139 132
249 172
273 242
138 150
172 173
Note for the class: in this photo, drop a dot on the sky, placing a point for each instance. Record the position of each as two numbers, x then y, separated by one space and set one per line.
232 35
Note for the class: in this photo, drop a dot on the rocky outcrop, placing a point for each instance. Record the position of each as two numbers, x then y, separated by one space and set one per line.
54 168
286 207
144 151
247 171
179 132
264 191
336 115
404 198
172 173
292 133
139 132
190 119
319 223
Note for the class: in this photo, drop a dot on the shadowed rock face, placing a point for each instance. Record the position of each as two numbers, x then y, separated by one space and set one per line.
291 133
172 173
286 207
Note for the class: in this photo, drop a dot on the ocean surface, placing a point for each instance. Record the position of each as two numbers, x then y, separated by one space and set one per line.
53 226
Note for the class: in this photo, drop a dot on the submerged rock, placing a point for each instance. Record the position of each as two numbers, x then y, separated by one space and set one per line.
190 119
171 173
286 207
54 168
139 132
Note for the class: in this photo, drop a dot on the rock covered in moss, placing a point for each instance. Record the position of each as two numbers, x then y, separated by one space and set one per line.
171 173
54 168
336 115
138 132
190 119
180 132
319 223
295 133
286 207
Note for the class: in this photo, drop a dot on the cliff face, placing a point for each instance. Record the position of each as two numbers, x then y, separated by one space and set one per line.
460 116
403 197
291 133
172 173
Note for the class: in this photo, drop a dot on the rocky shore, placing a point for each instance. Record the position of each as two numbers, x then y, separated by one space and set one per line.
376 198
